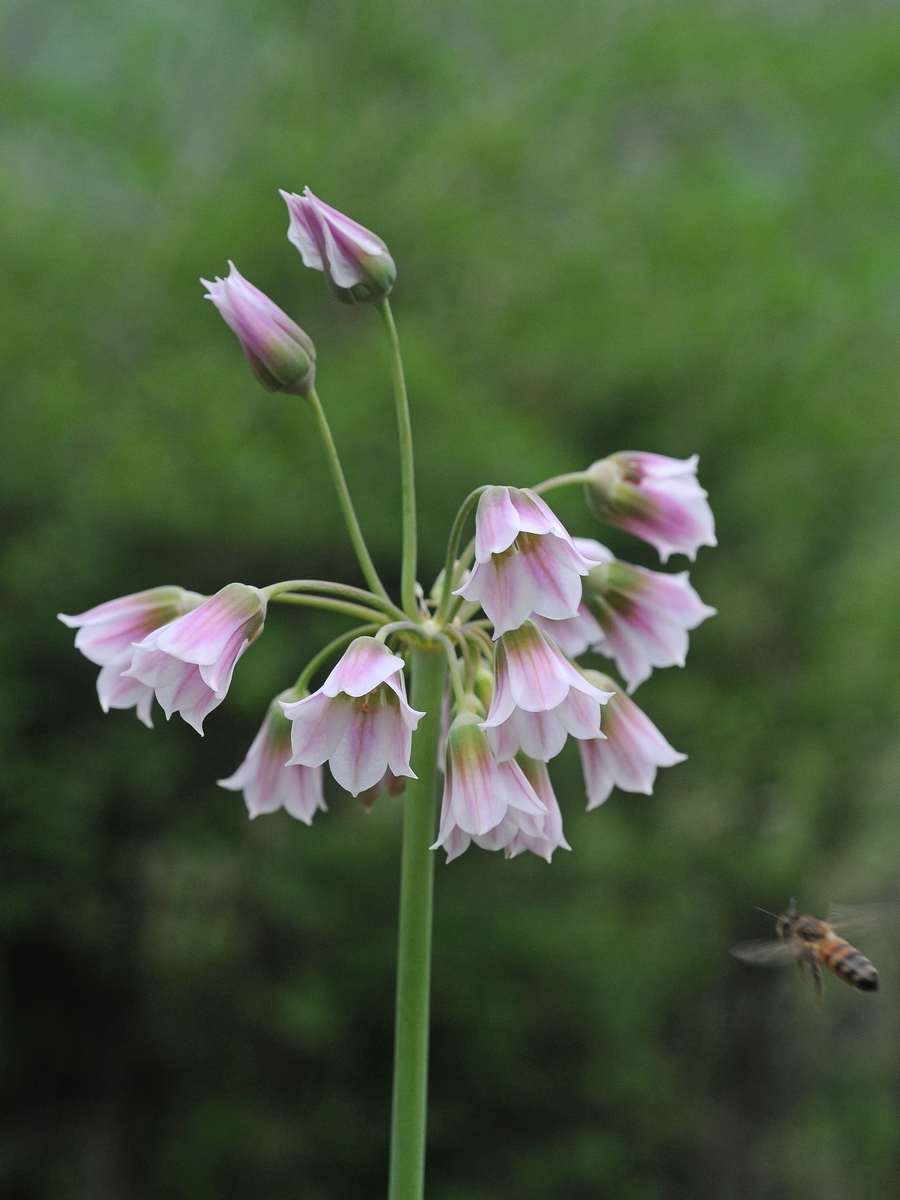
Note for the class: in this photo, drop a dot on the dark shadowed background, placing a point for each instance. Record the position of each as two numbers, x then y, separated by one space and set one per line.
668 225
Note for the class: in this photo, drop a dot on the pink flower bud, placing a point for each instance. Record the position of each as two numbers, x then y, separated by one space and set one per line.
356 262
525 561
630 753
189 662
655 497
638 617
280 354
107 633
539 697
358 721
266 780
484 800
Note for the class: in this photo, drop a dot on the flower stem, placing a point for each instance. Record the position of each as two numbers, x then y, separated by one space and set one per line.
560 481
429 669
329 605
407 468
340 483
344 591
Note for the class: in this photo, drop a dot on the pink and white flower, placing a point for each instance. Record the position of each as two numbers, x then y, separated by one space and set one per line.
266 780
107 633
484 801
629 755
539 697
189 662
655 497
358 721
355 261
638 617
280 354
525 561
552 837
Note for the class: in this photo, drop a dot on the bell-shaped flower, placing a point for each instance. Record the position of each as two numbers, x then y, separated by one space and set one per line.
266 780
539 697
356 262
280 354
638 617
189 662
552 836
484 800
655 497
631 752
525 561
358 721
107 633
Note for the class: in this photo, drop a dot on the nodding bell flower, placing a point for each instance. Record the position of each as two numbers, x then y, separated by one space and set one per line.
355 261
631 752
654 497
525 561
358 721
189 662
266 780
552 837
107 633
280 354
638 617
484 800
539 697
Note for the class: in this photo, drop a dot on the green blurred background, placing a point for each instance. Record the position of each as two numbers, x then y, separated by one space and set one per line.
668 225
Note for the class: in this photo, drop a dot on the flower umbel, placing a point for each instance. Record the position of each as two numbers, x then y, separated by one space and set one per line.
107 633
265 778
280 354
358 721
630 753
655 497
356 261
525 561
189 662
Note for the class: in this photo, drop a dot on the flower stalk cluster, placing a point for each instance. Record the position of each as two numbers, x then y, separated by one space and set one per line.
491 649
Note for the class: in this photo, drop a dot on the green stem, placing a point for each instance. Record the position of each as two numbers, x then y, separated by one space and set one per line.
325 602
560 481
325 653
429 669
340 483
344 591
452 550
407 468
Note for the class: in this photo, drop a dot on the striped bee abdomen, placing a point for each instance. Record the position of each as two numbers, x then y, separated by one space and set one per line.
847 963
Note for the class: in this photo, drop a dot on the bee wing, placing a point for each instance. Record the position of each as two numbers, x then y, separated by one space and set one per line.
861 918
765 954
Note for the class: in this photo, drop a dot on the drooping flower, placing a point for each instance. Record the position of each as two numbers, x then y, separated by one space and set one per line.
539 697
552 837
655 497
265 778
280 354
638 617
107 633
525 561
358 721
484 800
189 662
355 261
631 752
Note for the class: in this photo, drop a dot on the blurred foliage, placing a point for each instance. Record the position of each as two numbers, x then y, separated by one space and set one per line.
657 224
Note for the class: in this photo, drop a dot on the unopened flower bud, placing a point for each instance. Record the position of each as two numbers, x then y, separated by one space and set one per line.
280 354
355 261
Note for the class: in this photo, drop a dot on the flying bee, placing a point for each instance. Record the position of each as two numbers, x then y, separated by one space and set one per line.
815 944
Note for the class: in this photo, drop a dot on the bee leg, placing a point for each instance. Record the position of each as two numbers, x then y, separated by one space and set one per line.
817 980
